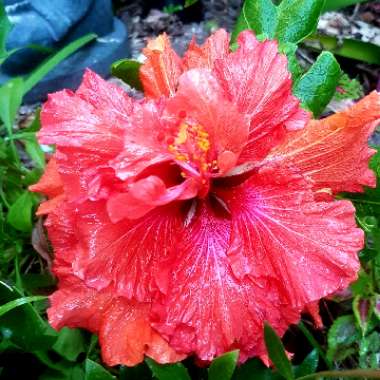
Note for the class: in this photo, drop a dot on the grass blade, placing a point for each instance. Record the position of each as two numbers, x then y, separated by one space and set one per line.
54 60
19 302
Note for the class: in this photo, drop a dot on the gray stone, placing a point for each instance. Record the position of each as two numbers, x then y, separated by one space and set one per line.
39 22
54 24
97 56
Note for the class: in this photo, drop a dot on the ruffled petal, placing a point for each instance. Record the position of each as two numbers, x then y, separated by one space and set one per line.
257 80
92 119
123 326
215 47
145 195
50 184
85 175
279 232
126 253
50 205
88 129
77 305
160 72
206 310
126 335
334 151
145 144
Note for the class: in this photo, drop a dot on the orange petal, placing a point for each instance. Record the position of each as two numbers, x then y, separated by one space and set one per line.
160 72
215 47
50 205
126 336
50 184
334 151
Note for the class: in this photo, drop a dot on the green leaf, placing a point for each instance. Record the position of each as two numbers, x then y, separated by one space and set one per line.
138 372
348 89
95 371
254 370
32 147
342 338
19 302
20 212
369 351
54 60
308 366
22 325
362 309
317 87
70 343
354 49
277 353
175 371
290 49
257 15
189 3
333 5
297 19
34 151
5 27
223 367
70 372
128 71
11 94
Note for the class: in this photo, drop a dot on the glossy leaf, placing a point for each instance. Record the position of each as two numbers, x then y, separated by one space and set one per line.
254 369
290 49
70 372
70 343
23 326
277 353
297 19
138 372
223 367
168 371
94 371
257 15
369 348
308 366
362 308
348 89
342 338
20 212
317 87
128 71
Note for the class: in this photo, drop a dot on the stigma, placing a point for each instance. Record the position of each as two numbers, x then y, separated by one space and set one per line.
192 148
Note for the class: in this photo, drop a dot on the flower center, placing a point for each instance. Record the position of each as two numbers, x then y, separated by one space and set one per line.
193 152
191 148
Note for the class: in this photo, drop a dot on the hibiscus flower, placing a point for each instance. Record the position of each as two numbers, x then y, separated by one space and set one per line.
183 221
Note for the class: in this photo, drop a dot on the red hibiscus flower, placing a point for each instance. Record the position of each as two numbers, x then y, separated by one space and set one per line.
183 221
